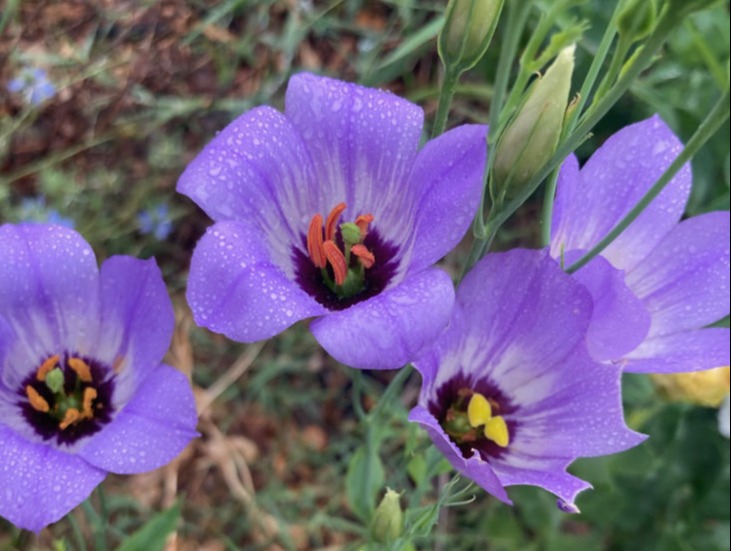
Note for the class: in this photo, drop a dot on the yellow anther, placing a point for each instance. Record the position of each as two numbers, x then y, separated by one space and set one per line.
496 430
479 411
81 368
90 395
47 367
37 401
70 417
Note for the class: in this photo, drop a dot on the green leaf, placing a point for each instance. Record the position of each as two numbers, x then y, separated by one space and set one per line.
364 480
152 536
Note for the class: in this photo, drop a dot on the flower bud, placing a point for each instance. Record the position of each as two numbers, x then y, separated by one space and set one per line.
388 521
467 31
637 19
704 388
531 138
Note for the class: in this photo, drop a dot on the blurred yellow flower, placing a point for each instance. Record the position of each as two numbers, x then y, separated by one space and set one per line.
705 388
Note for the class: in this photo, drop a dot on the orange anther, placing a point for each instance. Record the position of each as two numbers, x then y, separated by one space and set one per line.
47 367
314 242
332 220
363 221
37 401
81 368
336 258
69 418
90 395
365 257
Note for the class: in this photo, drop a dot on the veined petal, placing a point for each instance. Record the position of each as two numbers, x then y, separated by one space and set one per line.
684 282
49 294
522 316
592 201
448 172
473 468
41 484
362 143
388 330
234 288
257 169
137 321
681 352
151 430
619 320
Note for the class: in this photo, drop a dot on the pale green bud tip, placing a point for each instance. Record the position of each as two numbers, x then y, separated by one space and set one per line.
350 232
637 19
532 136
388 521
54 380
467 31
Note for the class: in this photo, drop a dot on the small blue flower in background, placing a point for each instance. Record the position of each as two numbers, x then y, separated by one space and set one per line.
35 209
155 221
33 83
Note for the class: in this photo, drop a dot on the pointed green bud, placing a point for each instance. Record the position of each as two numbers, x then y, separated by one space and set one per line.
54 380
467 31
350 232
531 138
388 521
637 19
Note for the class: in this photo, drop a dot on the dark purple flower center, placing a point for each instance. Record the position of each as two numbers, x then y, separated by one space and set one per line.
67 398
475 414
345 263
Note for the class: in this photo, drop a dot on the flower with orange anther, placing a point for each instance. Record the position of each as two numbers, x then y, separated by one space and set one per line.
330 211
510 394
83 391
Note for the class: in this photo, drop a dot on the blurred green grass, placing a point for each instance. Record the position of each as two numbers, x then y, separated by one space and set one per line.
142 87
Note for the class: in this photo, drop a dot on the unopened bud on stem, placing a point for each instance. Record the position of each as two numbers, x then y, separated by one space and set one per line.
531 138
467 32
388 521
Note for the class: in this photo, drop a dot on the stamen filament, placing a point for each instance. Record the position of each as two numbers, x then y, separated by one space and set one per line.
37 401
47 367
314 242
336 258
365 257
332 220
363 221
81 368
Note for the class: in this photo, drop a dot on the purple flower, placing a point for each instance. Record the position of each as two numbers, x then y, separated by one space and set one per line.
155 221
33 83
83 391
510 395
330 211
35 209
662 281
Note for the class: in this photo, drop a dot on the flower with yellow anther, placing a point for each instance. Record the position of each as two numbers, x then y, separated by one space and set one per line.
479 414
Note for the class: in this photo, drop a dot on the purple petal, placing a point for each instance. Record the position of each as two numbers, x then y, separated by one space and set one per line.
388 330
523 315
548 474
137 320
681 352
234 288
448 171
16 85
363 143
40 484
257 169
591 202
49 294
684 282
151 430
581 416
619 321
473 468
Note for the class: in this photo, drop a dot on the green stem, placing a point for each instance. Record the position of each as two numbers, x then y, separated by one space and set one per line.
449 86
395 386
589 120
715 119
573 116
615 67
